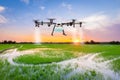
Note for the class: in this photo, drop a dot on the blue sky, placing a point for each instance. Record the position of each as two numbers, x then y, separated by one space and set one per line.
16 16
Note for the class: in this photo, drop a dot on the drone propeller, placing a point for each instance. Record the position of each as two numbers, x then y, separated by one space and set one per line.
36 23
73 20
51 20
81 22
72 23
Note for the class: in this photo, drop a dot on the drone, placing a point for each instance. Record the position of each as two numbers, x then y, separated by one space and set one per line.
51 22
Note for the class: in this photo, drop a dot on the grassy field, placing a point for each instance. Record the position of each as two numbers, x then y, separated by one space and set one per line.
6 46
46 56
55 53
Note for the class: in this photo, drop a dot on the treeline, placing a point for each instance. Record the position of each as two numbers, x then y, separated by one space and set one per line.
94 42
14 42
8 42
87 42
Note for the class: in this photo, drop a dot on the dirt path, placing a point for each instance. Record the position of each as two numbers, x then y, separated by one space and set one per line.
84 63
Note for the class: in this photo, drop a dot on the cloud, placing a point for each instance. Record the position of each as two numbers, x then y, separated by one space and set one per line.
102 27
2 8
68 6
97 21
25 1
42 7
2 19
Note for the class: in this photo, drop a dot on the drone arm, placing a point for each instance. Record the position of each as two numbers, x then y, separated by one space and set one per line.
64 33
67 24
53 30
80 23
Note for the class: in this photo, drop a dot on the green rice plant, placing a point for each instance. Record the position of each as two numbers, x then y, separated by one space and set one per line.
115 65
29 46
46 57
48 72
4 47
53 71
88 75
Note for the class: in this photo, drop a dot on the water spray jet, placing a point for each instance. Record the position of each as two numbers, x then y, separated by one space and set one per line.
37 35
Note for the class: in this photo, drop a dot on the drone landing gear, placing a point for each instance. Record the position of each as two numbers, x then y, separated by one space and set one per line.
64 33
51 34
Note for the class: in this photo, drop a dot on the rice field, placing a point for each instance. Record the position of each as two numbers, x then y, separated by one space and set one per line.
59 62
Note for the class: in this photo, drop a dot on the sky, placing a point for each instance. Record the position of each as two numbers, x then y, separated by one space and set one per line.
101 19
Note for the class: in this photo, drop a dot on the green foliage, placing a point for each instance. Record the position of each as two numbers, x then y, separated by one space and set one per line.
47 56
8 46
30 46
53 71
48 72
116 65
88 75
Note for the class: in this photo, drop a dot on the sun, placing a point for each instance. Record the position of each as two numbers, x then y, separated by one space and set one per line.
76 41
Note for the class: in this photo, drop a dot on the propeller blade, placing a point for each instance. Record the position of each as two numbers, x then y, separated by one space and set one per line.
51 20
73 20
